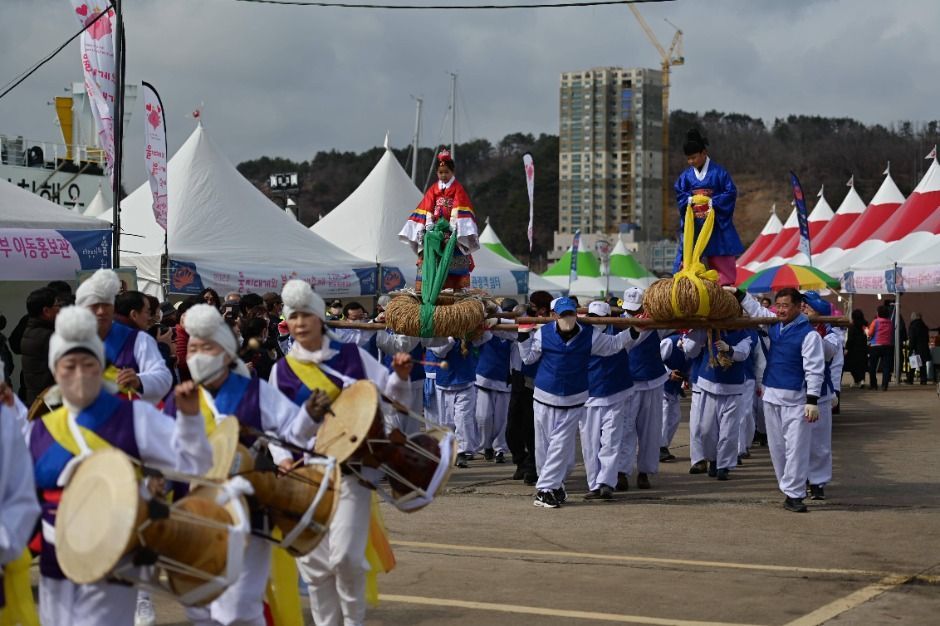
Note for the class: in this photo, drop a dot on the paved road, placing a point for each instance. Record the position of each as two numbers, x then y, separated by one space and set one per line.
691 550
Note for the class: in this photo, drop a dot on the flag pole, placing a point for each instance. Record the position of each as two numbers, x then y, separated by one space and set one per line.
118 122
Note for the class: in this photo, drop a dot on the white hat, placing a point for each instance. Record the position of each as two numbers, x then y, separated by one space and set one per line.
205 322
75 327
299 296
599 308
633 299
102 286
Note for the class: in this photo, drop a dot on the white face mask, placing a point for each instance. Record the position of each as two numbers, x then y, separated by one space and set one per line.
206 367
80 390
566 323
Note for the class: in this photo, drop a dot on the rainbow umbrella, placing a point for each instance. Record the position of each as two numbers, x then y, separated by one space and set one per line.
801 277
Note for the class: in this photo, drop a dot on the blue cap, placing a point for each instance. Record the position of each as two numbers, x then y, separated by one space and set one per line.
564 305
815 301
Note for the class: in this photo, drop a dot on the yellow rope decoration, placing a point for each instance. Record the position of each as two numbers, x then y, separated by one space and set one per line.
692 266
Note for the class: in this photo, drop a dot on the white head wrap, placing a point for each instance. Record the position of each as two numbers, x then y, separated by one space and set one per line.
102 286
299 296
75 327
205 322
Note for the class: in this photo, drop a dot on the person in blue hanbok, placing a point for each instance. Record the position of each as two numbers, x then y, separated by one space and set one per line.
703 183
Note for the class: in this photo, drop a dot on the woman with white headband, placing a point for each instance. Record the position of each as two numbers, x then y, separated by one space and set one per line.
92 418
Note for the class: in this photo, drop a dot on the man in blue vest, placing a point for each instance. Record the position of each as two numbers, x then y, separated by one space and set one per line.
563 350
493 391
605 416
792 385
389 344
753 365
721 381
641 443
456 394
820 451
670 349
133 358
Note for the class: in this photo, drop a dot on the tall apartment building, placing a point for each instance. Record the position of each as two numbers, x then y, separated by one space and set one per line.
610 153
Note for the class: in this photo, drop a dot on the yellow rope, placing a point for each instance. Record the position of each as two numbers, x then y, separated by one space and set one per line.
692 266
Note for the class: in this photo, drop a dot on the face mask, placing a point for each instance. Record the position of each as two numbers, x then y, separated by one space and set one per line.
80 390
206 367
566 324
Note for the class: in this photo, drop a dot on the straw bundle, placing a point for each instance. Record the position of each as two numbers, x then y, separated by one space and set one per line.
658 300
453 317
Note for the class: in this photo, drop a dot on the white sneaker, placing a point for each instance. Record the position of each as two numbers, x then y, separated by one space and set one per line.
145 615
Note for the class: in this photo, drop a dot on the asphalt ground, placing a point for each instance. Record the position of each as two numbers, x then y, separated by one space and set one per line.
691 550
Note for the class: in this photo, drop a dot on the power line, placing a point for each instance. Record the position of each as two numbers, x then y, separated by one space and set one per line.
15 82
451 7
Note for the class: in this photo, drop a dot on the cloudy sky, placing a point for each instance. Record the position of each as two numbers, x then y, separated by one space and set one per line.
290 81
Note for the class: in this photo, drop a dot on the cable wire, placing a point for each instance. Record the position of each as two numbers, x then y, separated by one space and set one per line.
451 7
15 82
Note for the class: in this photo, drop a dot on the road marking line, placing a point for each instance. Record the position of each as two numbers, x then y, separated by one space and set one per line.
837 607
642 559
535 610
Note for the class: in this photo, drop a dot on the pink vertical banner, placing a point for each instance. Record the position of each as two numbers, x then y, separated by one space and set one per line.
155 151
529 165
98 65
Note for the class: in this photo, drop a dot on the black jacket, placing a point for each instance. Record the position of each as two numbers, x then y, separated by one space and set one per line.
34 346
919 339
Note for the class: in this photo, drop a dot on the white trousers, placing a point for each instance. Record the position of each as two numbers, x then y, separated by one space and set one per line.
696 452
788 437
458 410
746 422
63 603
492 411
431 411
406 424
335 572
555 433
242 604
601 430
820 451
719 428
641 442
672 415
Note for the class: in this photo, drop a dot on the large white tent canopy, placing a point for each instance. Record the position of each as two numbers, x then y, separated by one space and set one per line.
367 224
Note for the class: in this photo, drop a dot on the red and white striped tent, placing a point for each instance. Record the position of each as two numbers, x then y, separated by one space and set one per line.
766 236
789 227
789 251
884 203
846 215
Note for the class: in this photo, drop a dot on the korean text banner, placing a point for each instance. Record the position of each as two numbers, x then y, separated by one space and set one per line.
47 254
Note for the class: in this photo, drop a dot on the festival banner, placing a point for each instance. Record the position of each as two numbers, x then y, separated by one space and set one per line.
573 275
529 165
48 254
802 217
190 278
155 151
98 65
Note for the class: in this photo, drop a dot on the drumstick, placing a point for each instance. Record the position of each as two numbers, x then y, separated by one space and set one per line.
440 364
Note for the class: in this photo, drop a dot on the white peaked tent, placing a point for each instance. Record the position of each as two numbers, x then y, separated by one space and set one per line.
225 234
97 206
817 220
489 239
367 224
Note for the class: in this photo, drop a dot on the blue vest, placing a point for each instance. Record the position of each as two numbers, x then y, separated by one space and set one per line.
461 370
750 363
646 363
608 375
494 359
417 354
676 361
563 367
430 357
734 375
785 357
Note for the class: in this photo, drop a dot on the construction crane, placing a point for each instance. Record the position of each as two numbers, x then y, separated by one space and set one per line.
670 58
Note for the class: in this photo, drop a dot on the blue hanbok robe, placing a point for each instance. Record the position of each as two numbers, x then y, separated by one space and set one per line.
718 184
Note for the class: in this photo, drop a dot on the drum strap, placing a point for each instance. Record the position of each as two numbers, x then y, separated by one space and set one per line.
58 426
312 376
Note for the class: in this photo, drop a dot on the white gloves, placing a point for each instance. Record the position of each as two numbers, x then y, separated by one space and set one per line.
811 412
722 346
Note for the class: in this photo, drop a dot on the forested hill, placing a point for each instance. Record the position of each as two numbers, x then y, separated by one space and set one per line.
822 151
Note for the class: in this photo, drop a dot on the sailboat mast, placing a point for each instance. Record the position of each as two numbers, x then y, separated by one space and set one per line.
415 141
453 115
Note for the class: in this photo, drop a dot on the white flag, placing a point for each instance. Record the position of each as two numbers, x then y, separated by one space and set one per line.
887 169
851 182
97 47
932 155
529 165
820 194
155 151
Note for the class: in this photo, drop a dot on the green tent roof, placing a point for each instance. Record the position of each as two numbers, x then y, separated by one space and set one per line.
624 265
587 265
491 240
